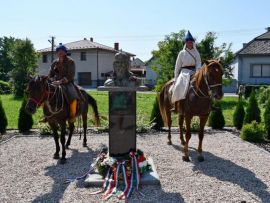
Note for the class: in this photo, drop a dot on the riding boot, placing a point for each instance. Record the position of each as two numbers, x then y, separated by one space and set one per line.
72 114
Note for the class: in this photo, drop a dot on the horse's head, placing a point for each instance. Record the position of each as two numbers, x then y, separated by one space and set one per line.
213 75
37 93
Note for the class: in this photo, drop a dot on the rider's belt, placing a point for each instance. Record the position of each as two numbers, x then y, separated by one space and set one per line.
190 67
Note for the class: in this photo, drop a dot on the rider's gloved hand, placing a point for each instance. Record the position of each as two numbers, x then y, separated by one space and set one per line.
57 82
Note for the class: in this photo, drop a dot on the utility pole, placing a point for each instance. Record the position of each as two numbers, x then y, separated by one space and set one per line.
52 43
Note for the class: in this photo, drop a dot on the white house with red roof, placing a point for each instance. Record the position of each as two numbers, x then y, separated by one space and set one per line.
94 61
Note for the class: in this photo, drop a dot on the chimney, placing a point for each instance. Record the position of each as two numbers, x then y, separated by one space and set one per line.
91 39
116 46
268 29
244 44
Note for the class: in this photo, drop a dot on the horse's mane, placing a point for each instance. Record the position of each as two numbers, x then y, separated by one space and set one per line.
199 75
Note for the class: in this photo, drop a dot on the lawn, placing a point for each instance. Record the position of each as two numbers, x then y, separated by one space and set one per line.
144 108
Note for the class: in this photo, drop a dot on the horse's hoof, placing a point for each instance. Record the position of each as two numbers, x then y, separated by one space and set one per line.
200 158
63 161
56 156
84 144
169 142
186 158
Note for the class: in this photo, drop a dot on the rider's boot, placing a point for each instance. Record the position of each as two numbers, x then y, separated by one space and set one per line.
73 107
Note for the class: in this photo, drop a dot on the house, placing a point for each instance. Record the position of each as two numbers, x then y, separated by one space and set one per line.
151 75
252 63
94 61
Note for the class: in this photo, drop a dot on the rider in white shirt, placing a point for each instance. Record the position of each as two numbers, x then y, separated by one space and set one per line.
188 61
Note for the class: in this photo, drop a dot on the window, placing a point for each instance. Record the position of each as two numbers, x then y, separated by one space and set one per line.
83 56
260 70
44 58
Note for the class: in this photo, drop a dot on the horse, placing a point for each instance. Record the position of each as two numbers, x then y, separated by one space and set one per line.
56 110
205 85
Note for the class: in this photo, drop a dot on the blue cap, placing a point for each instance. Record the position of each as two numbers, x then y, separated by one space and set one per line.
61 47
189 37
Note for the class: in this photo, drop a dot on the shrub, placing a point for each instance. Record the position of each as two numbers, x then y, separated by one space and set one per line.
263 95
25 121
216 118
252 132
5 87
252 111
3 119
239 115
156 119
267 118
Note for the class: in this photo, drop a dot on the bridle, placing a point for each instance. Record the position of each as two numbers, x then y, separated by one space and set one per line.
43 97
209 94
46 97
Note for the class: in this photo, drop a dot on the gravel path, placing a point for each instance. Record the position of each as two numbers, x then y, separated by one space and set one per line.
233 171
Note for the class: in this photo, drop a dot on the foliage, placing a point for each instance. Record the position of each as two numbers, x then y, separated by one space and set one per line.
44 129
169 48
267 118
5 87
156 118
3 119
263 94
216 119
25 121
252 111
24 60
239 114
252 132
6 50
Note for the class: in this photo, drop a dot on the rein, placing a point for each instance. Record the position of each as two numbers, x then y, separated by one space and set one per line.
209 87
46 98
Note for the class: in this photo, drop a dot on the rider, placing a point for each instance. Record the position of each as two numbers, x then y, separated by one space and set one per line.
188 61
62 73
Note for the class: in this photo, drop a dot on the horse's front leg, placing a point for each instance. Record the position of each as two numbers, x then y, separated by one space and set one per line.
181 122
84 118
203 120
71 130
63 140
56 140
188 136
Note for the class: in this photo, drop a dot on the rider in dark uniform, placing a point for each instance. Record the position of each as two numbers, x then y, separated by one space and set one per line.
62 73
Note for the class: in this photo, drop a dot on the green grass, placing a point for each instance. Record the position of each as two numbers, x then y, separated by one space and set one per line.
144 108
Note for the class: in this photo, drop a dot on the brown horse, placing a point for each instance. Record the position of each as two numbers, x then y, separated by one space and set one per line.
56 110
205 85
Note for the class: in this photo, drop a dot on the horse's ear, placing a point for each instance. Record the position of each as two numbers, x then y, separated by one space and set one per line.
206 62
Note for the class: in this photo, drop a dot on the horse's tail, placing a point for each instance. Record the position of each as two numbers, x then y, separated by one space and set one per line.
164 103
93 103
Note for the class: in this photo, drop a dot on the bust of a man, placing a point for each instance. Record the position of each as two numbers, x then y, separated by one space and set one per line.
121 72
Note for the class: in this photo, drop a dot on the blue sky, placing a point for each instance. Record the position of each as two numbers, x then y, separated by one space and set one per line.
136 25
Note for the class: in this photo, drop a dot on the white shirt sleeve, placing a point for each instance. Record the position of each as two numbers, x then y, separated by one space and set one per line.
198 61
178 66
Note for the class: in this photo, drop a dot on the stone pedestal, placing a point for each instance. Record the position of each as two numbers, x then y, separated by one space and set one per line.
122 130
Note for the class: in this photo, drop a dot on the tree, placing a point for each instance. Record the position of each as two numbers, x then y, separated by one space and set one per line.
25 121
252 111
216 119
156 118
24 60
6 49
169 48
267 118
239 115
3 119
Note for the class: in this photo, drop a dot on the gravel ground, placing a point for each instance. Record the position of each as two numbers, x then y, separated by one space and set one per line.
233 170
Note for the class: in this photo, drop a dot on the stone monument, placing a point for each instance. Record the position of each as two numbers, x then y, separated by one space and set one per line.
122 89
